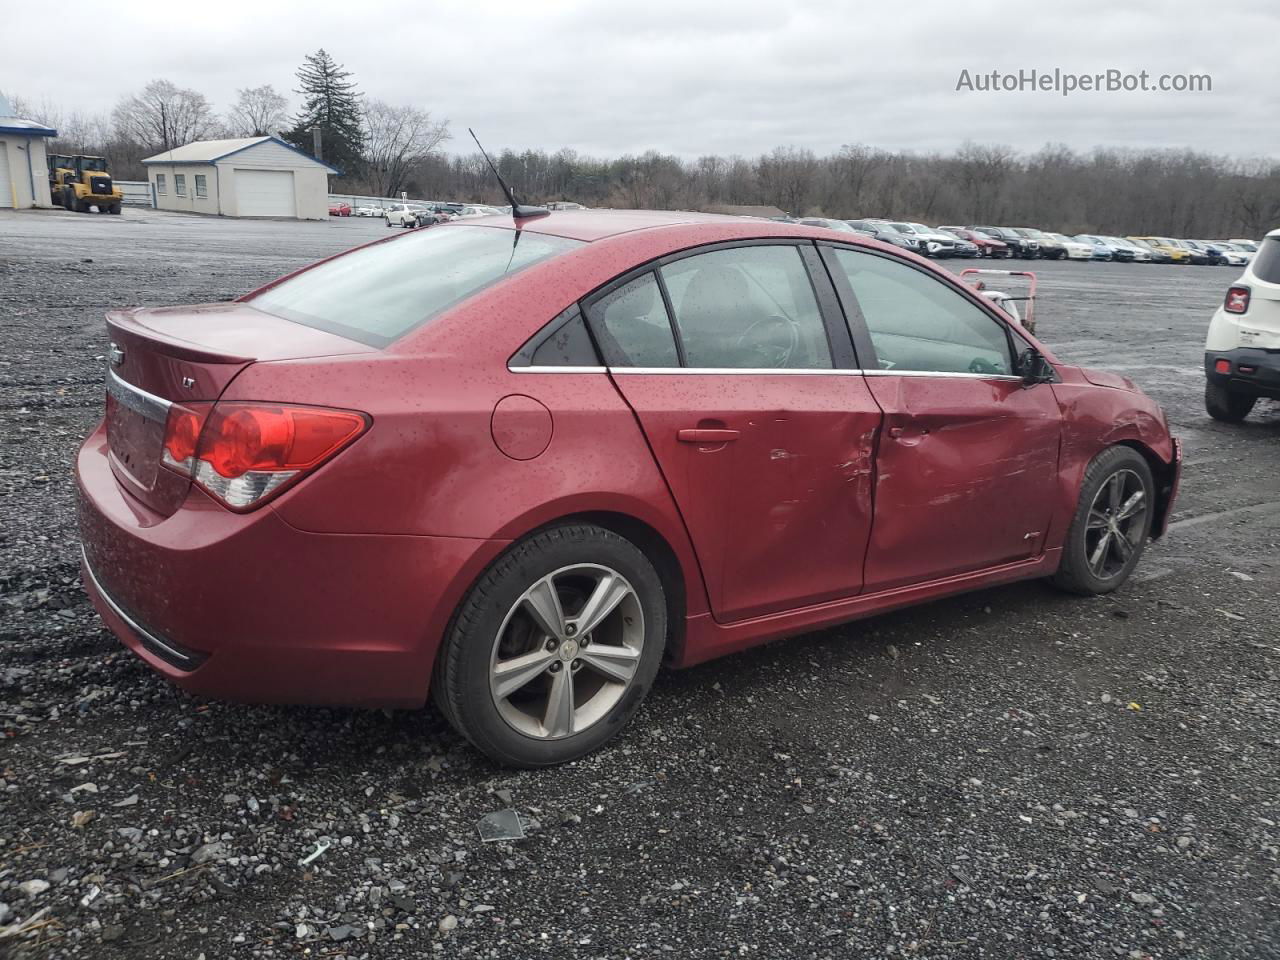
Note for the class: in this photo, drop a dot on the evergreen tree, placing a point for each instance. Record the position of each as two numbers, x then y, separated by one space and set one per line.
331 102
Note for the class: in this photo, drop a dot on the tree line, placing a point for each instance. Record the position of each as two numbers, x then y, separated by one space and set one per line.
384 149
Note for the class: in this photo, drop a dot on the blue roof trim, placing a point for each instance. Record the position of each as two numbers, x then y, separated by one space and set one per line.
287 146
31 131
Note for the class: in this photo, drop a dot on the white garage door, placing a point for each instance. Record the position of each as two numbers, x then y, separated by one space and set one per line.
265 193
6 189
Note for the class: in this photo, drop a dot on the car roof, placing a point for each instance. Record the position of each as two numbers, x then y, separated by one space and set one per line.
589 225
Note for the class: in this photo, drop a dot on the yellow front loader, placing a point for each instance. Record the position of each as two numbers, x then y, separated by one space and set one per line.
79 183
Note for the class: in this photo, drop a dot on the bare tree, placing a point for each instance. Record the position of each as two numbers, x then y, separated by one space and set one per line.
258 112
164 116
397 140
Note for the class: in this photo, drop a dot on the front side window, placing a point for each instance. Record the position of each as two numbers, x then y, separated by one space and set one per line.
633 327
202 185
180 184
917 323
747 308
378 293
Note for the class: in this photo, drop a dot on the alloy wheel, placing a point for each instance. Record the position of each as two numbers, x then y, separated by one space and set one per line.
567 651
1117 519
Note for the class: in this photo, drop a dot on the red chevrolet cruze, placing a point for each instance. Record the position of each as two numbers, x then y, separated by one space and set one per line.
520 464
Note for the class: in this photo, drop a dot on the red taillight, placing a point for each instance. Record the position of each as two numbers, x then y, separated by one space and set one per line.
242 453
181 433
1237 300
1222 366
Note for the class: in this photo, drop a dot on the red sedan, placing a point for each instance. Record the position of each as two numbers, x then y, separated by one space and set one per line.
520 465
987 246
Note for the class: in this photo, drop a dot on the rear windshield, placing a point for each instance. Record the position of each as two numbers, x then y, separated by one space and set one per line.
379 293
1266 262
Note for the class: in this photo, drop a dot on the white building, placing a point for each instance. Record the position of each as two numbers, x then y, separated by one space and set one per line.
247 177
24 171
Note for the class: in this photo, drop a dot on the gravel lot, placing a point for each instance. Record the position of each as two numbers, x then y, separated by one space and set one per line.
1013 773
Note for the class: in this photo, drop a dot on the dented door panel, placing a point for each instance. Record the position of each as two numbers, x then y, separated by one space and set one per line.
777 498
966 476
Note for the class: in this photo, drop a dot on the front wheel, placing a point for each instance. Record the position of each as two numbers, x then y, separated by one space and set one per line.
554 648
1111 524
1222 404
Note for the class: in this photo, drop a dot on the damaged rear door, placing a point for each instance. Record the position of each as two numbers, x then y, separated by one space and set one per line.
762 425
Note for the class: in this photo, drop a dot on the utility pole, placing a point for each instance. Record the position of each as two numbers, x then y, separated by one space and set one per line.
315 143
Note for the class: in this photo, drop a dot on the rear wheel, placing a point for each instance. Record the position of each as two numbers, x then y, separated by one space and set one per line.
554 648
1111 523
1223 404
114 208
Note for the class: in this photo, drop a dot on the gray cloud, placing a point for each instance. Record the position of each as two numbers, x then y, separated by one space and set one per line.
694 77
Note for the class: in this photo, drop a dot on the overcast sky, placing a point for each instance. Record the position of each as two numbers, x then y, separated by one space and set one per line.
692 77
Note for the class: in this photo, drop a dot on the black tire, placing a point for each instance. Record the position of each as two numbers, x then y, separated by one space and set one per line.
460 684
388 222
1226 405
114 209
1076 574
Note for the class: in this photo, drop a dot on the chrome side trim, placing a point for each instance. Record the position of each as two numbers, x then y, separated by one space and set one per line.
940 373
755 371
550 369
737 371
137 399
179 658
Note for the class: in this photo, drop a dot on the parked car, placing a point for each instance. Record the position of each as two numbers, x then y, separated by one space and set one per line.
1248 246
1050 249
827 223
412 470
478 210
932 243
964 248
367 210
1138 253
1166 247
1019 246
1231 256
988 246
1211 257
1104 248
340 209
565 205
403 214
881 231
1077 249
1242 348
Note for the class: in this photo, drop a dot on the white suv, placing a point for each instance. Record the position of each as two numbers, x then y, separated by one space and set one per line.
1242 351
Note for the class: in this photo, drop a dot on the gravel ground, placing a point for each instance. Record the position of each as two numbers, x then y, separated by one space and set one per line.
1012 773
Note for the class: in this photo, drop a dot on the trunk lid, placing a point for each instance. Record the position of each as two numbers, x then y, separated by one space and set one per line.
186 355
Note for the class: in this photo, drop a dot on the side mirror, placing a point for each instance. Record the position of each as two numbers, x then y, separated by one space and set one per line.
1032 367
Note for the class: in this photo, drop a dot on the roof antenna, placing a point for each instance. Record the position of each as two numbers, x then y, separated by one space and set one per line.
518 210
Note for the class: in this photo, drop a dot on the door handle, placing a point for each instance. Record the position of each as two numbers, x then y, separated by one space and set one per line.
898 433
706 435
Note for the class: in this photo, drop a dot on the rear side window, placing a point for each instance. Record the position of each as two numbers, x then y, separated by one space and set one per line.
917 323
379 293
633 327
747 308
1266 262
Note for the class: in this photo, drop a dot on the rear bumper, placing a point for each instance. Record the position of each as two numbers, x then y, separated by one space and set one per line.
1253 370
246 607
